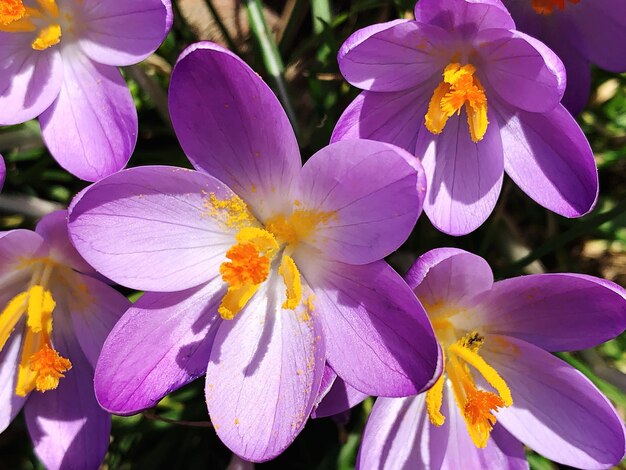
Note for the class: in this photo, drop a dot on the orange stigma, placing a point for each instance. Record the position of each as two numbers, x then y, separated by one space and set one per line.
460 87
49 367
478 412
11 11
547 7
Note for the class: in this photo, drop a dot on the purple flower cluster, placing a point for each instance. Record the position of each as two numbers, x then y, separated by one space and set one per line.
268 276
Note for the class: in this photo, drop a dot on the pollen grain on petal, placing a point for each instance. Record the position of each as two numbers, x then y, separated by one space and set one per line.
233 212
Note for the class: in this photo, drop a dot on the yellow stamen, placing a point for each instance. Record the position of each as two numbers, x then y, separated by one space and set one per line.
248 268
298 226
48 366
47 37
460 87
40 307
434 399
11 11
11 315
488 372
291 277
547 7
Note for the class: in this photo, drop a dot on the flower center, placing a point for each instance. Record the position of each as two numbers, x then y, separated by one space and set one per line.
40 366
250 259
547 7
459 87
43 21
477 406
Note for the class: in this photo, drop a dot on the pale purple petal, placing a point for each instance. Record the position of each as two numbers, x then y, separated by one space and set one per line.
393 56
394 118
264 375
464 177
394 438
448 275
94 319
521 70
29 80
464 17
68 428
231 125
371 353
151 228
339 398
160 344
17 245
10 403
602 24
373 192
53 228
556 410
119 32
549 158
557 312
91 129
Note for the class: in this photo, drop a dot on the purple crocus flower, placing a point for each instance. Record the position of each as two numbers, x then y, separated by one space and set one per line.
472 97
57 61
580 32
54 318
265 275
501 387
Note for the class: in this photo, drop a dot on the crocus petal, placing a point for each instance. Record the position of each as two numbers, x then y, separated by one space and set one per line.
549 158
161 343
556 410
523 71
29 80
338 398
394 118
602 24
122 32
231 125
373 192
393 436
464 177
3 172
448 275
94 318
393 56
371 353
17 245
557 312
53 228
91 129
264 375
10 403
149 228
68 428
465 17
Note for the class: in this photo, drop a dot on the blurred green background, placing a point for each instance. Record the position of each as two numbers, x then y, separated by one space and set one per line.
519 237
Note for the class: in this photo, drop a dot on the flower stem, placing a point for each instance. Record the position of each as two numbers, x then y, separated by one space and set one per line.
271 56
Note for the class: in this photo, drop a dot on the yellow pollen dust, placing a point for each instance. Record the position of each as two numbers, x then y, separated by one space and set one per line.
40 365
460 87
298 226
547 7
477 406
232 212
11 11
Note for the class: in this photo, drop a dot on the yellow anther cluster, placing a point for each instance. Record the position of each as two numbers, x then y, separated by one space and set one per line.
460 87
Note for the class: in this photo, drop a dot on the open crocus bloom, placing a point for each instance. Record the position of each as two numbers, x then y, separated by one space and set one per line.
264 274
501 387
54 318
472 97
57 61
580 32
